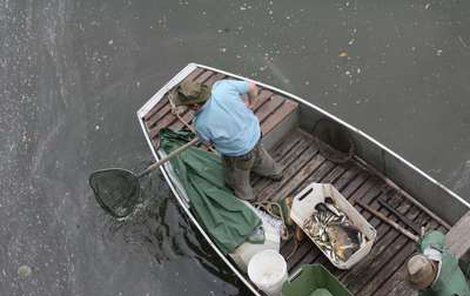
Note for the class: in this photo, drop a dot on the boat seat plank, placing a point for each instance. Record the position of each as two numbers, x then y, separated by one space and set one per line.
195 73
458 238
152 121
156 110
270 109
210 82
164 122
204 76
262 97
278 116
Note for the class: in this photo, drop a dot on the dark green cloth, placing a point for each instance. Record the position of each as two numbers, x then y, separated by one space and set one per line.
451 280
321 292
228 220
314 279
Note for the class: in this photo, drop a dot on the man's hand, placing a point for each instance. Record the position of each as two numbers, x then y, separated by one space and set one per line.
252 92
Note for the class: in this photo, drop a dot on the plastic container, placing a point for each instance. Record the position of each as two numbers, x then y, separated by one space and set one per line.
312 280
268 271
243 254
303 208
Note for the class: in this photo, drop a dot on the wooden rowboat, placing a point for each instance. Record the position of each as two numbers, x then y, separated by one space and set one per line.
374 173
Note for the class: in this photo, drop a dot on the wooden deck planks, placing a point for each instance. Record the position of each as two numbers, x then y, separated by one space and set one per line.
262 97
370 276
162 117
302 166
162 102
155 111
277 117
204 76
387 278
270 108
291 161
380 284
387 246
152 121
380 273
214 78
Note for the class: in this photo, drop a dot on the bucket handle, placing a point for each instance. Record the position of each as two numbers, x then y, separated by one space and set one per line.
305 194
295 275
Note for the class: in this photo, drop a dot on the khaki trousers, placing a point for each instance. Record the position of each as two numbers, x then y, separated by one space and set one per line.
237 170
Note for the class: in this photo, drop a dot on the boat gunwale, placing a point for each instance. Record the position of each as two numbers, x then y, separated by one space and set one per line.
348 126
179 192
171 181
192 66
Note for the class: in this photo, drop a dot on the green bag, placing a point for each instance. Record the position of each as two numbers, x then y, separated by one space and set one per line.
312 280
227 219
451 280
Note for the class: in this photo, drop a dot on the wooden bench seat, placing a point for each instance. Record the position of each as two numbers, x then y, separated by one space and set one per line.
458 239
270 108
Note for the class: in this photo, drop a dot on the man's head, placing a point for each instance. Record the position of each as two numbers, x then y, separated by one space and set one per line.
421 271
190 93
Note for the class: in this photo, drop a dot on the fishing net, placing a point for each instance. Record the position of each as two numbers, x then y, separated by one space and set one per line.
333 141
227 219
116 190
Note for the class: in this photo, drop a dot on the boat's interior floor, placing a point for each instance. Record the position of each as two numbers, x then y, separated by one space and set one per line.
381 272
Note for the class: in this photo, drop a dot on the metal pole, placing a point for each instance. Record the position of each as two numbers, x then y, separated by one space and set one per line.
400 216
390 222
168 157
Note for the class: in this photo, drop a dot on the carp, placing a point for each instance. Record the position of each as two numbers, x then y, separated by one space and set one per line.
345 239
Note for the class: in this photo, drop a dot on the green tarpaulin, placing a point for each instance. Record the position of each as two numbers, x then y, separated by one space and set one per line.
450 280
228 220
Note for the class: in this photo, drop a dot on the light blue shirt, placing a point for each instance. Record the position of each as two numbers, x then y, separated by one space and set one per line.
226 121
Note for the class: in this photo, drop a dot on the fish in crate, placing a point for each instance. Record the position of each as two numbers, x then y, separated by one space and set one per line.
333 224
333 231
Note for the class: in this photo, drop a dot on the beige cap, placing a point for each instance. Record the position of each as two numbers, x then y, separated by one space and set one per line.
420 271
191 92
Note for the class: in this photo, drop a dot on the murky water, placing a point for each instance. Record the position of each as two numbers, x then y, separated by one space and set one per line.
75 72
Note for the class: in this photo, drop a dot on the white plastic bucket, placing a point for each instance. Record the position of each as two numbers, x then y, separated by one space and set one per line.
268 271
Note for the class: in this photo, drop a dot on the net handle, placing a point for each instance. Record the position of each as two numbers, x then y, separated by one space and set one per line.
177 151
98 197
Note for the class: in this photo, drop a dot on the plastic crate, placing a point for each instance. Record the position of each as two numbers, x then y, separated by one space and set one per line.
303 207
309 279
